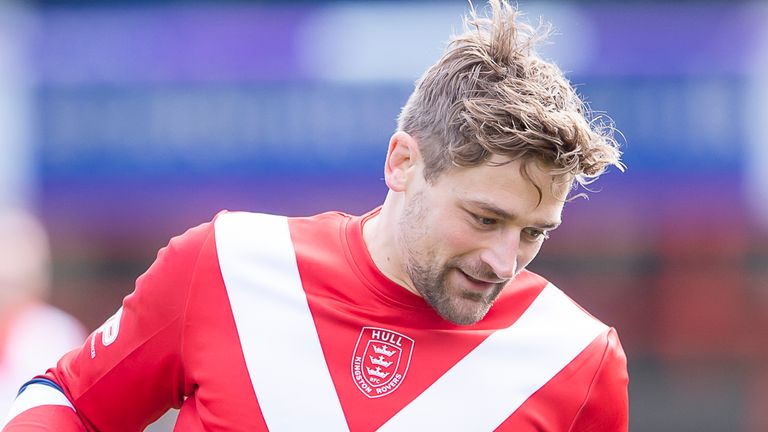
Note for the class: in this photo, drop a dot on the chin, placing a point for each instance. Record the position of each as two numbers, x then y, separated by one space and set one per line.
464 320
453 298
464 311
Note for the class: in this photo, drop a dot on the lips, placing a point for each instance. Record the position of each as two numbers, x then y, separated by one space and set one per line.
478 284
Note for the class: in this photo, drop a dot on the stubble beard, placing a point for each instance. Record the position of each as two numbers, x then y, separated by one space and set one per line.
431 279
458 306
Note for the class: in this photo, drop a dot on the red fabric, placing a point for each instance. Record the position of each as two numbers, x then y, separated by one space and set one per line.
178 345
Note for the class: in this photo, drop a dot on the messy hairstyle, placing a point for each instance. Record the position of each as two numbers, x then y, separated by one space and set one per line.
491 94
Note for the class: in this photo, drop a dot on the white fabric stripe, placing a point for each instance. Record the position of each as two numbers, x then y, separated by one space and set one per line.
277 333
36 395
493 380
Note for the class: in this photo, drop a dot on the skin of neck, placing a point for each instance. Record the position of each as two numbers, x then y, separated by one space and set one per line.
381 239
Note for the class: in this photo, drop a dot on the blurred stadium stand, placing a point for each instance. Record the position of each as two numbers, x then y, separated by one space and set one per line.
149 117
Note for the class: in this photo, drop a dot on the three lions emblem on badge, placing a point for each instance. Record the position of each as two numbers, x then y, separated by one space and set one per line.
380 361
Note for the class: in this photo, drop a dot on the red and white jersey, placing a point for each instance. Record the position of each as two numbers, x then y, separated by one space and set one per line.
260 322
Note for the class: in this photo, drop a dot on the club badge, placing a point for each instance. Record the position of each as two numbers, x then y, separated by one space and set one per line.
380 361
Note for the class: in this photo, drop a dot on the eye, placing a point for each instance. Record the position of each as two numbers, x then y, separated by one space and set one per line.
535 234
485 221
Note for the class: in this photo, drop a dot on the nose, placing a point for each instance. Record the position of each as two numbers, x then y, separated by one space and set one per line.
501 255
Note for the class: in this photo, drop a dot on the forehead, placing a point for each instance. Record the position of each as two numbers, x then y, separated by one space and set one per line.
516 186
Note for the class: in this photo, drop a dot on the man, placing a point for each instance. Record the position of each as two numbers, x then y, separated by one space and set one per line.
419 315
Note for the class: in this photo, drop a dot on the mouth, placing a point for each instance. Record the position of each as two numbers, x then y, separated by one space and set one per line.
478 284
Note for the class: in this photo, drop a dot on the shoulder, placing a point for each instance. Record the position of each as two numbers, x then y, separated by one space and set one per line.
247 219
236 226
231 225
553 294
554 313
535 308
193 238
601 345
530 296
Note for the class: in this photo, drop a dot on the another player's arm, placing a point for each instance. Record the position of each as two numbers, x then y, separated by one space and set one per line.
129 371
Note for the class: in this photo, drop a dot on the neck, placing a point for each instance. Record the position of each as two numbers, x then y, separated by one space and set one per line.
380 234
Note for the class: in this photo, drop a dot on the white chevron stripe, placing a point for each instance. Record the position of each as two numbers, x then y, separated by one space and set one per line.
33 396
493 380
259 267
277 333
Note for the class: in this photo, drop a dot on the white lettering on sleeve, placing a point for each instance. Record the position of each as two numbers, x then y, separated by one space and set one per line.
108 331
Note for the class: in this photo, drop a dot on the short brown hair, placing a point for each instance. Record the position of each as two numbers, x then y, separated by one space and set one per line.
490 93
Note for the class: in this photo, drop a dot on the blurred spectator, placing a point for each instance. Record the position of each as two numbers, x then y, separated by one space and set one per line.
33 334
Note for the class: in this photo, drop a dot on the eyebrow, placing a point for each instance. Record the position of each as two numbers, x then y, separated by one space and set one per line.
503 214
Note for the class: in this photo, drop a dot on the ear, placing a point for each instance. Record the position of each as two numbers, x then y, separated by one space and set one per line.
402 161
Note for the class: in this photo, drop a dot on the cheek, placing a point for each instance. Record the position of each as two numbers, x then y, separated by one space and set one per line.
456 238
446 234
527 254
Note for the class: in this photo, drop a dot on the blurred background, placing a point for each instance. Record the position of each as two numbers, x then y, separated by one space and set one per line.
123 123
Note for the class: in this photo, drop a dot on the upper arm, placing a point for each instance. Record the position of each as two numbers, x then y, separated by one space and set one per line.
606 406
130 371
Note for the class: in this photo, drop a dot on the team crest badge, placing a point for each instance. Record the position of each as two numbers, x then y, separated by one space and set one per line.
380 361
